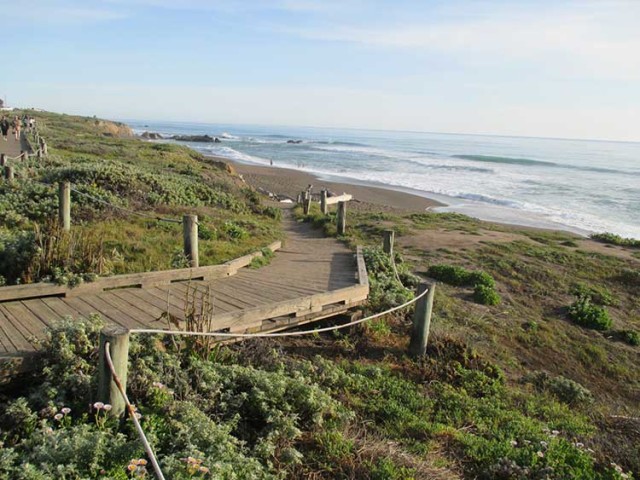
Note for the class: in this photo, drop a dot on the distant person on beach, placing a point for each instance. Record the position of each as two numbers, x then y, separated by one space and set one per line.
16 127
4 127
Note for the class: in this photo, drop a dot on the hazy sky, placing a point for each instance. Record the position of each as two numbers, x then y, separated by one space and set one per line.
540 67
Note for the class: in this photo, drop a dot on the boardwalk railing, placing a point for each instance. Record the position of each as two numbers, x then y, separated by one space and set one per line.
133 280
306 197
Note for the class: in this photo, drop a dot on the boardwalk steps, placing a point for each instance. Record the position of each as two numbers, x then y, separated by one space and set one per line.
310 277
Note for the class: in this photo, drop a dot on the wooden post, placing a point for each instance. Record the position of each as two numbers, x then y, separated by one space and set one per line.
307 205
324 208
3 159
388 237
64 205
118 340
190 236
39 154
299 199
8 173
25 155
422 320
342 218
44 148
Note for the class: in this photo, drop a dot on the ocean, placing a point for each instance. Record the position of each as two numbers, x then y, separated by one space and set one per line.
582 186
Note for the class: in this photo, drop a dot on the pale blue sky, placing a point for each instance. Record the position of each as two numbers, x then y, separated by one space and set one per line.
539 68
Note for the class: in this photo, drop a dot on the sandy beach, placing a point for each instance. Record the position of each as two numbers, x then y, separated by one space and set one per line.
289 182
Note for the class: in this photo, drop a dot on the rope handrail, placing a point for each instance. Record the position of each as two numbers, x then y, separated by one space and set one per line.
132 414
279 334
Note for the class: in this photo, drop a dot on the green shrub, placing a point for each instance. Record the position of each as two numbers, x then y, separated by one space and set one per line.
386 469
598 295
17 250
569 391
484 285
586 314
233 231
630 277
387 290
485 295
613 239
566 390
632 337
262 260
205 232
450 274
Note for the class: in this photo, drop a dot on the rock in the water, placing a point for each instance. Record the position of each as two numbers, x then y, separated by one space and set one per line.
151 136
217 140
294 141
194 138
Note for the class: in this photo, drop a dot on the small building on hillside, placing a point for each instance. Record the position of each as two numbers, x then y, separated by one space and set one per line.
3 108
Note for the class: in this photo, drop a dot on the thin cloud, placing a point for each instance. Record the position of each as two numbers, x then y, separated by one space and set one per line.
592 41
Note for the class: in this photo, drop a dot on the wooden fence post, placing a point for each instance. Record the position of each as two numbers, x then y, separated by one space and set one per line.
25 155
3 159
342 218
44 148
39 154
64 205
422 320
8 173
324 208
190 236
118 340
307 205
388 237
299 199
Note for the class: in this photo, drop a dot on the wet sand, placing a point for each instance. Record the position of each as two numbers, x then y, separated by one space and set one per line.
288 182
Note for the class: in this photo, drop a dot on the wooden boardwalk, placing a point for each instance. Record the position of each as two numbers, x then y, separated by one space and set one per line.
12 147
309 278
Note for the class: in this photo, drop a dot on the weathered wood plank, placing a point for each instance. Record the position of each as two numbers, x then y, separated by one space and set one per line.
143 302
159 303
24 319
142 316
252 290
61 308
146 280
297 289
18 342
363 276
35 290
222 303
299 305
110 313
345 197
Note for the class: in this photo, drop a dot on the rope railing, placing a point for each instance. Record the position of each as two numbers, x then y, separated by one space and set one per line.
132 414
281 334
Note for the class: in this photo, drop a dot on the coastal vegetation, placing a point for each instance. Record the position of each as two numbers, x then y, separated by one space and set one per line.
123 190
512 386
537 335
